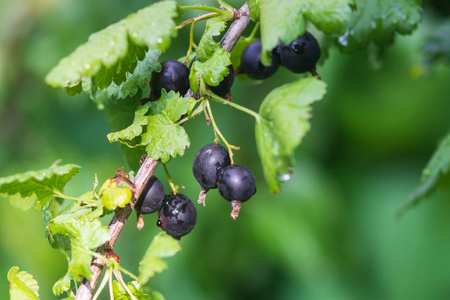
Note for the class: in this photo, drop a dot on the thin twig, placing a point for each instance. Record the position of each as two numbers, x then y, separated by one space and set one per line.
146 170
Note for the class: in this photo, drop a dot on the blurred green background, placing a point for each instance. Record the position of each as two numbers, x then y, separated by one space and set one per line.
331 234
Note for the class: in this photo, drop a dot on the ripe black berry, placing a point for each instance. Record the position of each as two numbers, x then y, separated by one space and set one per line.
174 76
225 85
208 161
152 196
177 216
236 184
251 62
301 55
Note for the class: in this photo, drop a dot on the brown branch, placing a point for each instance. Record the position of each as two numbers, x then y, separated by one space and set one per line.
146 170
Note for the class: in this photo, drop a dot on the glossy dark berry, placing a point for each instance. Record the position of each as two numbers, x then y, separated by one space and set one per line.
236 183
208 161
152 196
174 76
177 216
301 55
251 62
225 85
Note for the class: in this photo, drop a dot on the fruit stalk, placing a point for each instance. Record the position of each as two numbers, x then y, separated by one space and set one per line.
86 289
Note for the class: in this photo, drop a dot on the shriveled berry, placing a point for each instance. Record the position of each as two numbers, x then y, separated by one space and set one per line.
174 76
152 196
251 62
301 55
208 161
236 183
177 216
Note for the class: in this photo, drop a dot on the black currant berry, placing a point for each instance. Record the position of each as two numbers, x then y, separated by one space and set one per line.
236 184
225 85
177 216
152 196
174 76
301 55
208 161
251 62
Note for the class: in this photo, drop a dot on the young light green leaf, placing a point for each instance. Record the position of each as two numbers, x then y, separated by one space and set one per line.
22 286
378 21
207 46
113 197
436 174
107 51
136 80
80 261
37 187
253 8
50 211
212 71
62 285
163 245
284 123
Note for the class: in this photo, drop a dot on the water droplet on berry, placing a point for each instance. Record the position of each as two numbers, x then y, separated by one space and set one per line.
158 223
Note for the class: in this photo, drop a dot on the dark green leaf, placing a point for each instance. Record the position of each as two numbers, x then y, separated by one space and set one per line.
378 21
284 123
36 187
436 174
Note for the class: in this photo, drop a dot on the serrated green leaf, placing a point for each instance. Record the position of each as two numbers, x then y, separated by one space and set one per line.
212 71
162 246
62 285
136 81
207 46
36 187
157 129
22 286
135 129
284 123
253 8
329 16
90 233
105 56
436 174
378 21
50 211
80 261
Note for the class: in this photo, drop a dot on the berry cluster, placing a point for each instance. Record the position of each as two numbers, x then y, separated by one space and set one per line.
212 169
300 56
177 215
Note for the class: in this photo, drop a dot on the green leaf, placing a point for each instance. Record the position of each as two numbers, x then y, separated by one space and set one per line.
207 46
136 81
141 292
253 7
62 285
212 71
36 187
112 52
435 175
378 21
22 286
80 261
329 16
163 245
158 129
50 211
284 123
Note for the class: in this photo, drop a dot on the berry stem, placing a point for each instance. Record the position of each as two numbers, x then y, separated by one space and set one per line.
229 15
214 97
173 186
217 132
254 31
